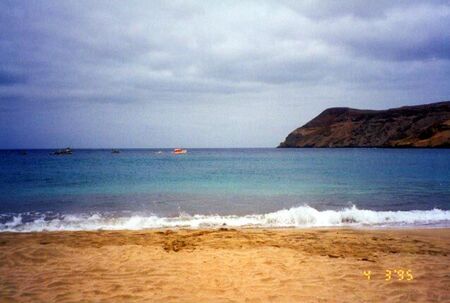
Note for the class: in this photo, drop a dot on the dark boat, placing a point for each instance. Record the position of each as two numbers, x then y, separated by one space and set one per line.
66 151
115 151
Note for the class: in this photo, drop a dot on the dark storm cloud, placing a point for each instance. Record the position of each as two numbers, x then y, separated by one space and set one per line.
8 78
331 9
275 54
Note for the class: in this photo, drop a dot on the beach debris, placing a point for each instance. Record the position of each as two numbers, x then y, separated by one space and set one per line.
174 245
367 259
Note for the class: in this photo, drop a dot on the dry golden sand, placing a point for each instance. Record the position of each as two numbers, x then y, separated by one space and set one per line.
226 265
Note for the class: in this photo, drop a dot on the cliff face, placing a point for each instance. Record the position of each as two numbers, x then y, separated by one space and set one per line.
410 126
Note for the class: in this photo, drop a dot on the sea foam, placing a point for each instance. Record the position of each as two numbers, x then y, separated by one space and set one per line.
302 217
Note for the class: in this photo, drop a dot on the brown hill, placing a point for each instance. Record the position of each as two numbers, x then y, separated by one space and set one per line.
410 126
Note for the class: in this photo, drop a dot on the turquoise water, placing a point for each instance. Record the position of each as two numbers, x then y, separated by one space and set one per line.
100 186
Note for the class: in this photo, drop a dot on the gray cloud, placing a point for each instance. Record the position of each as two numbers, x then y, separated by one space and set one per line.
8 78
244 57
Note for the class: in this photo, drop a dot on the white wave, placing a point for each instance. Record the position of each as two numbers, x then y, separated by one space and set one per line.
303 216
16 221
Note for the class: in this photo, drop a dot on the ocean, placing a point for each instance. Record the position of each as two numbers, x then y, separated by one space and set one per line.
266 187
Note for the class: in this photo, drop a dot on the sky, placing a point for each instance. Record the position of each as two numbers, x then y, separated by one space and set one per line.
91 74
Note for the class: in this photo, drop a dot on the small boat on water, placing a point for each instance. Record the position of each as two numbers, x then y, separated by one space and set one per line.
179 151
66 151
115 151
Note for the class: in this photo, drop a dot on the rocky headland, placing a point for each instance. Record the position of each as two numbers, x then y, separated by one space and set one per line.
409 126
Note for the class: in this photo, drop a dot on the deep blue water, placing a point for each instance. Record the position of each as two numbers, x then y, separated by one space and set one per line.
220 181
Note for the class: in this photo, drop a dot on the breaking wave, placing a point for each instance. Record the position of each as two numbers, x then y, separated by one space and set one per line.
303 216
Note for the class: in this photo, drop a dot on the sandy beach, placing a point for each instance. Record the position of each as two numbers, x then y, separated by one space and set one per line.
226 265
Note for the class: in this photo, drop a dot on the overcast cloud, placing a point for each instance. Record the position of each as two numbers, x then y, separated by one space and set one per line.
209 73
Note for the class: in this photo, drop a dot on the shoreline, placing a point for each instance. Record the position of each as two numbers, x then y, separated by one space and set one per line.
367 228
226 265
300 217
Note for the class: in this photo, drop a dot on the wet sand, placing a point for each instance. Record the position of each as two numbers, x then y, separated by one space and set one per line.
226 265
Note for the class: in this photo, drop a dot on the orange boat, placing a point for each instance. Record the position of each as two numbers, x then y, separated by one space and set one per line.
179 151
